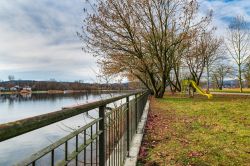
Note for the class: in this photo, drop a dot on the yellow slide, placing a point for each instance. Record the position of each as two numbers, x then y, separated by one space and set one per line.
186 83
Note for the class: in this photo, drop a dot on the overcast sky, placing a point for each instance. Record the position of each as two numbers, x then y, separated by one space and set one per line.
38 37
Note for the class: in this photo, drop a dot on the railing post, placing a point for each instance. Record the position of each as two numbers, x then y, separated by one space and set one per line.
102 141
139 106
128 126
136 113
76 150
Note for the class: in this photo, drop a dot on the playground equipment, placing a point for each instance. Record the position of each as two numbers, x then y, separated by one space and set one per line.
190 83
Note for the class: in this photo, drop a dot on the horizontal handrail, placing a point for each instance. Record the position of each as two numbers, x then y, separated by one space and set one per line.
48 149
16 128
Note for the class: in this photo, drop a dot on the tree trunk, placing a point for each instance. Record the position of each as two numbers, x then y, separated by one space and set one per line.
240 79
161 90
189 91
174 86
208 78
160 93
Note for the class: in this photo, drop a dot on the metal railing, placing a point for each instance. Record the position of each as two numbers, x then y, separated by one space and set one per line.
104 141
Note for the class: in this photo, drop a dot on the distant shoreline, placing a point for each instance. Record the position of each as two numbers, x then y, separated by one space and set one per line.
62 91
14 92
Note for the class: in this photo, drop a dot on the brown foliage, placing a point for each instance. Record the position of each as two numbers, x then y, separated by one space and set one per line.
142 37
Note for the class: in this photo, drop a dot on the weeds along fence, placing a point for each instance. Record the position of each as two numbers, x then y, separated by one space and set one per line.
103 141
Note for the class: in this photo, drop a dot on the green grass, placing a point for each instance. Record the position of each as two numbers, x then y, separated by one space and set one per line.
198 131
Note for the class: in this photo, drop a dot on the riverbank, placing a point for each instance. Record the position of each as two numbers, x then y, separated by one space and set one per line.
197 131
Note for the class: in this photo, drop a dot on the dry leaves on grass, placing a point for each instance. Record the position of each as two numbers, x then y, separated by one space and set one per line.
155 131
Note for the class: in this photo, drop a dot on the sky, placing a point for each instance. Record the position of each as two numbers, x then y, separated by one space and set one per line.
38 38
38 41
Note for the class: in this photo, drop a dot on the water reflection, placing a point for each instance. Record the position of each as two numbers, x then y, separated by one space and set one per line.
45 96
14 107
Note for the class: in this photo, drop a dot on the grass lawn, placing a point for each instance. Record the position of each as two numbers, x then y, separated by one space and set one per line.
197 131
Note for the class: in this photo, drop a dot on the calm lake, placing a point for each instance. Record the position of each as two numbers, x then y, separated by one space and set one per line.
15 107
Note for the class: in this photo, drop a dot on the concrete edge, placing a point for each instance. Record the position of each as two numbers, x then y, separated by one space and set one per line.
136 142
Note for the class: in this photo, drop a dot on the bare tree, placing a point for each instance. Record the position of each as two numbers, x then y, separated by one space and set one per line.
174 80
219 73
11 77
140 37
202 52
237 44
247 73
213 53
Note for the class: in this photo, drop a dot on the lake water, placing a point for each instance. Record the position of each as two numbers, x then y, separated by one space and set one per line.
15 107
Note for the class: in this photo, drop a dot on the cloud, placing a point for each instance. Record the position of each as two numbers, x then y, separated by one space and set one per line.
223 13
38 41
225 10
38 37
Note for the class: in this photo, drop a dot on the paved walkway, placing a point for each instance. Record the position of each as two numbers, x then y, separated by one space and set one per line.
229 93
136 143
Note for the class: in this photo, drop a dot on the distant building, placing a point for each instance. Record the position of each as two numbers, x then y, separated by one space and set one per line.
15 88
27 88
3 89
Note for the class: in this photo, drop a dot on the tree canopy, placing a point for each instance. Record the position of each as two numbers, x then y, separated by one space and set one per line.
144 39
